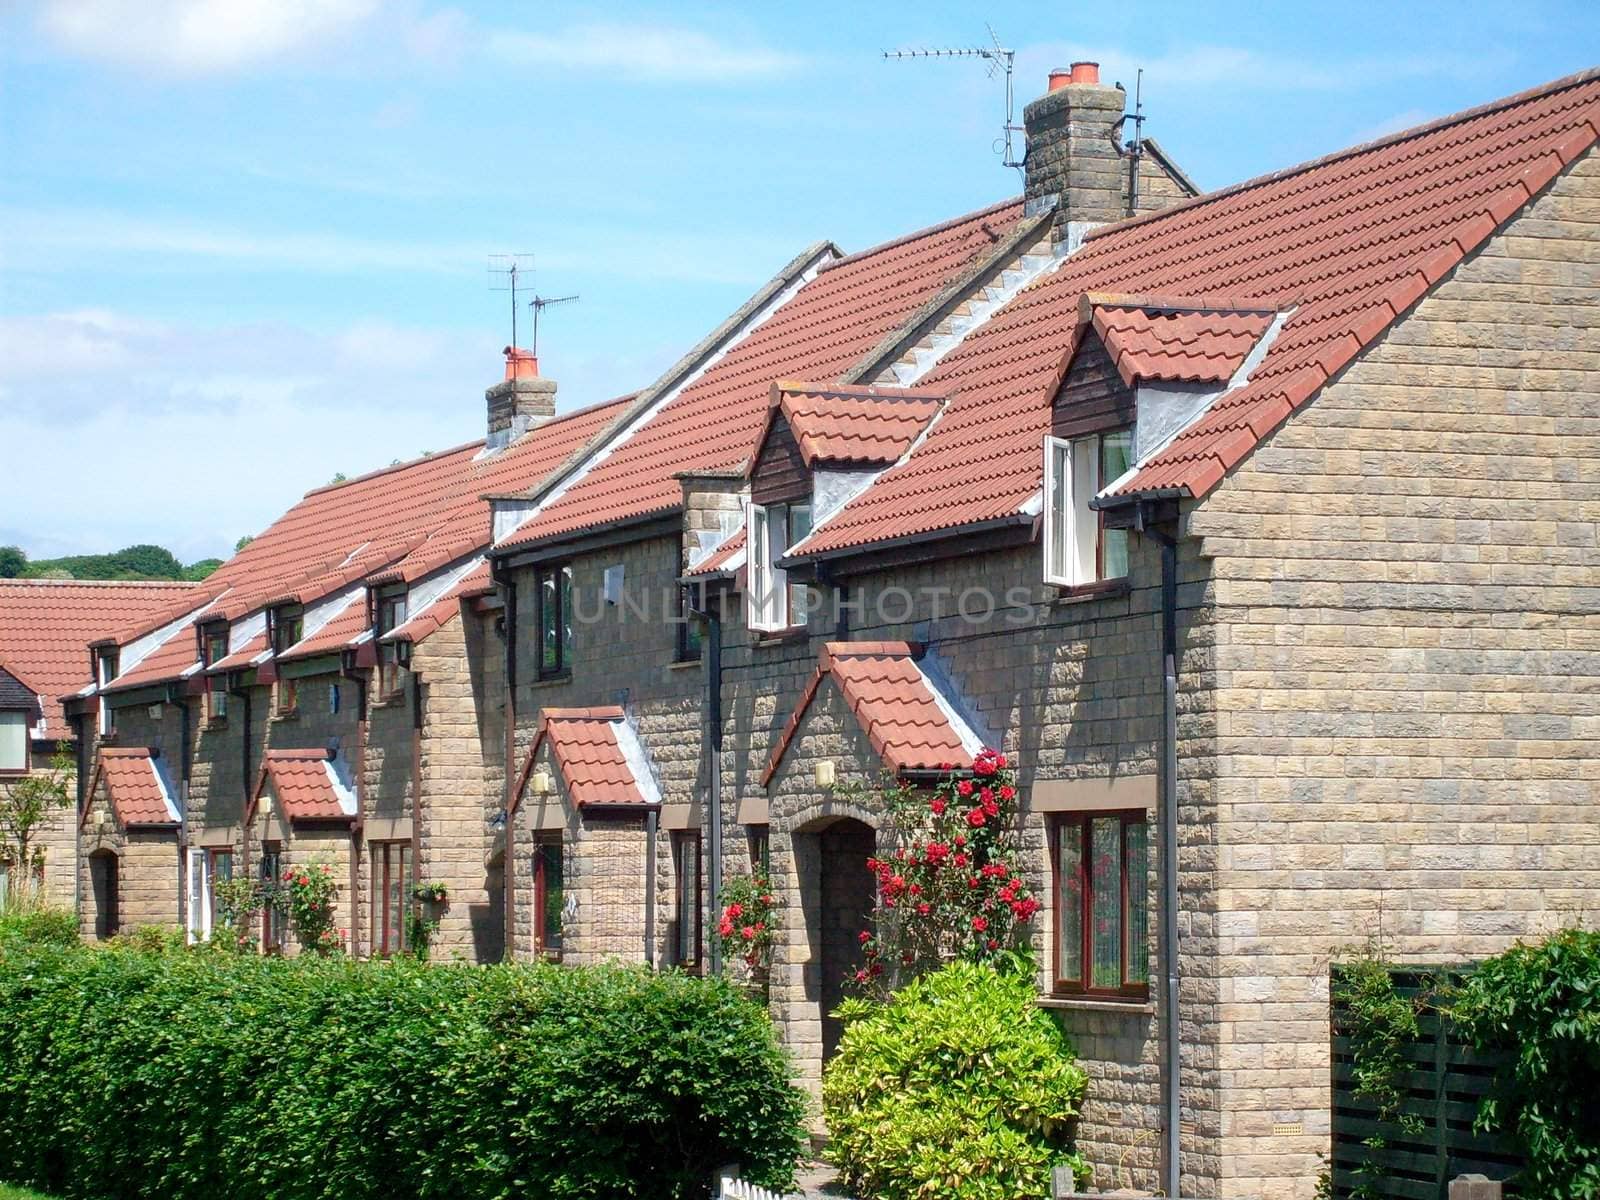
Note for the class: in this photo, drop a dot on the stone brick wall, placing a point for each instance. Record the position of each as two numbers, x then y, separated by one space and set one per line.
1407 742
56 835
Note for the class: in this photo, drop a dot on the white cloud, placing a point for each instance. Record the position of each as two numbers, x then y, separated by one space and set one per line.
652 53
1408 119
196 37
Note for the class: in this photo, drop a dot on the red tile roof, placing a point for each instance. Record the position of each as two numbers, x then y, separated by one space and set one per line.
430 619
854 424
46 626
141 796
591 748
349 623
828 326
895 703
306 785
721 559
1176 340
240 658
1349 242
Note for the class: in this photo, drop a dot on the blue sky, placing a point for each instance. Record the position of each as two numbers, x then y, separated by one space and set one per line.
243 242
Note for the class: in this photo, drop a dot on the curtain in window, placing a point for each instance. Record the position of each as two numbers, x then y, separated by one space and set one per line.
549 622
1069 901
1136 868
1105 856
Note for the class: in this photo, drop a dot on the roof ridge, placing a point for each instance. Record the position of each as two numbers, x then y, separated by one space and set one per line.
1180 303
1469 114
395 467
36 582
915 234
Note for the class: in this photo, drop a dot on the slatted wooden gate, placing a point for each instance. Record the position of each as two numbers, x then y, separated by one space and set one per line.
1446 1082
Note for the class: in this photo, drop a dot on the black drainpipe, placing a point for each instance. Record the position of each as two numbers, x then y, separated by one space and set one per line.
80 734
714 738
175 696
1168 941
508 874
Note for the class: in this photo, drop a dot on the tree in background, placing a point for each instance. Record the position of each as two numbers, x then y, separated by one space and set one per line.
13 562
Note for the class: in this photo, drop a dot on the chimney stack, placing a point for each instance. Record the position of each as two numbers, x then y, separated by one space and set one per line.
521 401
1075 153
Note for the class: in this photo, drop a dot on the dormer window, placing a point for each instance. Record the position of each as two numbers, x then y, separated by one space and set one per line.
775 603
1078 548
391 663
288 627
105 670
214 648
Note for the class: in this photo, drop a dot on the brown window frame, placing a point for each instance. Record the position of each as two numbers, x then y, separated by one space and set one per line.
288 627
760 839
215 854
688 641
681 840
542 844
561 573
1133 990
383 858
216 687
274 921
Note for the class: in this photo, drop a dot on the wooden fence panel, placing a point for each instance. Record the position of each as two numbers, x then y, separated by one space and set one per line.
1443 1088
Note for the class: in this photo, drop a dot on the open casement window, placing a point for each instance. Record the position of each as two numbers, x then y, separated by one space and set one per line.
1078 548
553 620
391 895
1099 865
213 649
288 627
549 895
688 647
13 741
774 603
106 670
391 661
686 940
206 868
273 917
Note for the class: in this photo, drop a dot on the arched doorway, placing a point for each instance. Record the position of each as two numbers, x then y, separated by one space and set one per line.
103 887
836 893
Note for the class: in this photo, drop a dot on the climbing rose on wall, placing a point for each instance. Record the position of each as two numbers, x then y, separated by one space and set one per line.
311 895
948 889
744 930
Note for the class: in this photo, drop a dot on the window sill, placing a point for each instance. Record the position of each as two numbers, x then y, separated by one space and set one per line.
778 637
1089 591
546 681
393 700
13 773
683 664
214 723
1129 1008
292 714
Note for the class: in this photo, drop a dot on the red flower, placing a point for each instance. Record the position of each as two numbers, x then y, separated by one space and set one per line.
761 926
980 923
961 839
747 932
865 937
937 853
726 928
876 969
908 958
735 910
965 787
991 808
766 899
986 794
1000 760
975 818
861 976
1007 791
938 806
961 859
924 908
992 944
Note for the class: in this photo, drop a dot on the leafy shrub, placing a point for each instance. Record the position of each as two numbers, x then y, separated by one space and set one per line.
38 924
190 1075
1541 1005
958 1086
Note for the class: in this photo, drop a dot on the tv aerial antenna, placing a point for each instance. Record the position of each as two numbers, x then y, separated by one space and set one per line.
511 273
998 59
539 304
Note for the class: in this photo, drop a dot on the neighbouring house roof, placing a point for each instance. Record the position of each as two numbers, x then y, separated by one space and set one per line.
599 756
727 558
832 322
1174 339
140 793
907 717
308 785
245 656
854 424
1348 243
46 626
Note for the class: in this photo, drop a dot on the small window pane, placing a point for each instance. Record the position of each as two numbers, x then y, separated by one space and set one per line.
1060 510
1137 869
552 895
1069 901
1105 866
13 741
1116 456
1085 521
566 617
550 659
688 900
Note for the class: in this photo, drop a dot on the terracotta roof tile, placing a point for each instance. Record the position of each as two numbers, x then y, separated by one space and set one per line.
46 626
725 558
307 785
908 722
854 424
598 755
1177 341
820 333
1348 242
140 793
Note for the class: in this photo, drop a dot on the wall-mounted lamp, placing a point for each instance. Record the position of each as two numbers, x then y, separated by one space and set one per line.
541 784
265 807
153 711
824 772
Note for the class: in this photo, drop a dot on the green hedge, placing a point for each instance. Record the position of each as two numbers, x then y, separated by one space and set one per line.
958 1086
196 1075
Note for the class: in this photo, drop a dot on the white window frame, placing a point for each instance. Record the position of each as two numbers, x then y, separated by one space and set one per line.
19 718
199 894
1083 529
767 586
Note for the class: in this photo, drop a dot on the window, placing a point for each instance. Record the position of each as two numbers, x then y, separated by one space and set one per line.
775 603
686 918
106 667
1078 548
391 896
688 629
273 917
554 621
391 615
760 849
13 740
288 627
549 895
206 868
1100 863
214 648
